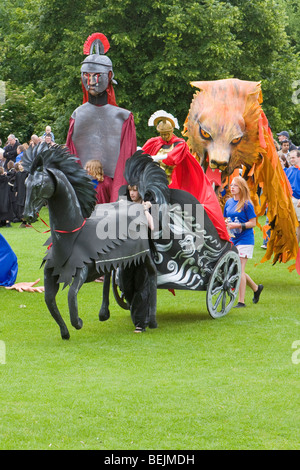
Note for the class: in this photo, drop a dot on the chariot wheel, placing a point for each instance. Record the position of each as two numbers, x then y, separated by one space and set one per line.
223 285
118 294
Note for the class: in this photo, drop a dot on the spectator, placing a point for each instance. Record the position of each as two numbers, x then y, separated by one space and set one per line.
11 175
284 151
284 135
2 159
283 160
48 131
48 140
20 151
6 210
34 140
293 175
10 150
277 146
20 190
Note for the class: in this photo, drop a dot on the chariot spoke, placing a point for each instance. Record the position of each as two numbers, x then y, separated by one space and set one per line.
216 290
234 279
218 300
231 268
224 302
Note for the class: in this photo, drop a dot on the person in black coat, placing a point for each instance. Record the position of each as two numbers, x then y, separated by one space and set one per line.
20 190
11 175
6 210
10 150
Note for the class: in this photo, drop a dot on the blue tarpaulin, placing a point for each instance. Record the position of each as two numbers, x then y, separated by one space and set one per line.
8 264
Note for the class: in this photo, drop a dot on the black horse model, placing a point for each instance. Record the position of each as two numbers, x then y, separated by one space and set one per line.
80 249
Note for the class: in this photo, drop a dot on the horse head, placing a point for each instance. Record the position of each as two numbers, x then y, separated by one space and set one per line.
50 169
40 186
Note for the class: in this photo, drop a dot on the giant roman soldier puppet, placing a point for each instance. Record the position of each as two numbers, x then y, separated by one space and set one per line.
99 129
183 170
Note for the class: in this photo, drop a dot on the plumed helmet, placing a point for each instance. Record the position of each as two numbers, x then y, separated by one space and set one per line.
95 47
163 121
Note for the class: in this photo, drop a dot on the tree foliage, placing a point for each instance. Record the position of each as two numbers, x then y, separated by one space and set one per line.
157 48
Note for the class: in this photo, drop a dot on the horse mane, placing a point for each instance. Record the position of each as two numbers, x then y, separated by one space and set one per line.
151 180
59 157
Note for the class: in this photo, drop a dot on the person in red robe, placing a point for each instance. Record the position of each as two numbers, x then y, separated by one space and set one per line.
183 170
99 129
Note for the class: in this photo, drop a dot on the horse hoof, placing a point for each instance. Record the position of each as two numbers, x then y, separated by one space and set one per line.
153 324
78 324
104 316
65 335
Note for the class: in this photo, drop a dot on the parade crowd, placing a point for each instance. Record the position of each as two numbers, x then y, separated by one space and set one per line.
13 176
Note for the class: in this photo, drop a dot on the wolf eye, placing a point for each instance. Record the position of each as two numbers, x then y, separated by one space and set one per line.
204 134
236 140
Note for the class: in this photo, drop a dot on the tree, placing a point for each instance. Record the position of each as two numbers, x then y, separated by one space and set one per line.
157 48
17 113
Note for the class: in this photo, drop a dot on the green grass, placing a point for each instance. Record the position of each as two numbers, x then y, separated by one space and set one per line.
193 383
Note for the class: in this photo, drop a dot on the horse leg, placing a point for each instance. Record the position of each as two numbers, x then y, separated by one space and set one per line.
104 310
79 279
152 272
51 288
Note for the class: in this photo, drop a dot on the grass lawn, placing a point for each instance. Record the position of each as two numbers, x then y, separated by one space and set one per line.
193 383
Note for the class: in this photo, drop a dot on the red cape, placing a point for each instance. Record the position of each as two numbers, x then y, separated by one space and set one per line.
189 176
103 190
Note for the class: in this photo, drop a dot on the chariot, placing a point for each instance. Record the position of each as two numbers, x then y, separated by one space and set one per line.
190 255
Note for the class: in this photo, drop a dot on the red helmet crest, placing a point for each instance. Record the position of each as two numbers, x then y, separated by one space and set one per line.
98 41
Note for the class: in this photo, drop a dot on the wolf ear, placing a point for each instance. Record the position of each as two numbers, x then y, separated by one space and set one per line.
200 85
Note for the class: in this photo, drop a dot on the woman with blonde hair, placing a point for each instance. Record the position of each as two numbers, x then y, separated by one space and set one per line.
240 220
102 183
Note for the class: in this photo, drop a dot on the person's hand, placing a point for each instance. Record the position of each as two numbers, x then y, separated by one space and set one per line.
27 287
232 225
147 205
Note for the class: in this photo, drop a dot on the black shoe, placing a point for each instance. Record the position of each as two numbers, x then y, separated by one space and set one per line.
257 294
8 224
239 305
